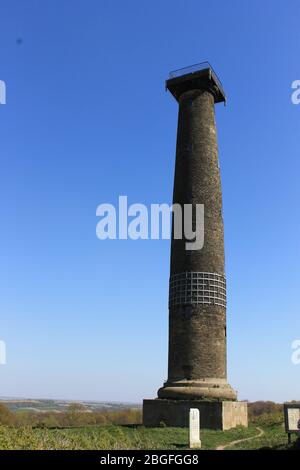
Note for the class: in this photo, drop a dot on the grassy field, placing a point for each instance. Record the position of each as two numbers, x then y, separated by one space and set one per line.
135 437
80 428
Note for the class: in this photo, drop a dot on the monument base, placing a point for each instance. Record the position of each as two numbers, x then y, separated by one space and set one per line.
218 415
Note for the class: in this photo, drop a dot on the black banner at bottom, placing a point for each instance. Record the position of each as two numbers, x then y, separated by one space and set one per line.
134 459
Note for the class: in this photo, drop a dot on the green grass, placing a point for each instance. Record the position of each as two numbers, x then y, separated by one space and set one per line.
130 437
274 438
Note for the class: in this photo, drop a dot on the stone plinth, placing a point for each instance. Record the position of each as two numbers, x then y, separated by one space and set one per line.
218 415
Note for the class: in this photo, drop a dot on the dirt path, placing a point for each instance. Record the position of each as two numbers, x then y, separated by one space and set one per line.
233 443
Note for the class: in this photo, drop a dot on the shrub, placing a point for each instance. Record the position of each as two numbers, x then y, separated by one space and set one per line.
6 416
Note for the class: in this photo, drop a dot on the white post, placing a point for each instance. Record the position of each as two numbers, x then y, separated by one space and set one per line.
195 442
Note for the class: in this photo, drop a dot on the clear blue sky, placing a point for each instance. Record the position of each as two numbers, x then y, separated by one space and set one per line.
87 119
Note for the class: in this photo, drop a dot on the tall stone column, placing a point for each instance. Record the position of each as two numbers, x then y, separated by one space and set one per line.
197 291
197 299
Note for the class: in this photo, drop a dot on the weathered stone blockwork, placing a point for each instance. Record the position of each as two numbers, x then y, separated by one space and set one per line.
197 368
197 332
220 415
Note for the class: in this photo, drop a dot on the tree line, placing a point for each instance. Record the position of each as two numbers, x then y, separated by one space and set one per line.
75 415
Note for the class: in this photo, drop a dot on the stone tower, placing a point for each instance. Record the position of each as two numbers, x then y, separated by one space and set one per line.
197 375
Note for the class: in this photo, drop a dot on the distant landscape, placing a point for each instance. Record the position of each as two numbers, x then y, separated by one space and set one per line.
51 405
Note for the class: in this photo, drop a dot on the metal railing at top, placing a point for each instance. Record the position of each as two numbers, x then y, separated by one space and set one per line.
196 68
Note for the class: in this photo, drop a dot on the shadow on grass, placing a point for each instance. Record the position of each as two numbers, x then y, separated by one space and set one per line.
294 446
130 426
179 446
